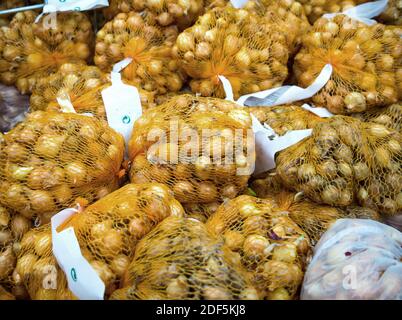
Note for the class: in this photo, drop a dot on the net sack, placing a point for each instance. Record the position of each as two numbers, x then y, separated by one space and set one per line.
390 117
164 12
83 85
30 51
267 242
286 118
366 61
13 107
356 259
9 4
212 157
107 232
5 295
180 259
392 14
153 67
51 161
346 161
249 51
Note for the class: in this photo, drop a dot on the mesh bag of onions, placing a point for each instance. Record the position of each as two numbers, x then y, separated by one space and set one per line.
249 51
12 227
393 13
9 4
13 107
267 243
52 160
107 231
83 85
286 118
346 161
182 13
30 51
180 259
356 259
153 67
211 159
5 295
366 61
390 116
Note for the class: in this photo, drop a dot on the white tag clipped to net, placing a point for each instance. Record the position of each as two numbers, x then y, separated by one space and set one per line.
267 141
65 103
82 279
73 5
238 4
363 12
321 112
286 94
122 102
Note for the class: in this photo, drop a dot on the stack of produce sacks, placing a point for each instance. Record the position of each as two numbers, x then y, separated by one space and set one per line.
107 232
12 227
267 243
180 259
346 161
356 259
250 51
83 85
153 68
13 107
164 12
211 158
30 51
366 61
390 116
8 4
52 160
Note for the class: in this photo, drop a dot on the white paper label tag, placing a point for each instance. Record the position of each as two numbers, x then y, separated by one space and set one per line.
227 87
363 12
73 5
238 4
321 112
122 103
83 281
65 103
286 94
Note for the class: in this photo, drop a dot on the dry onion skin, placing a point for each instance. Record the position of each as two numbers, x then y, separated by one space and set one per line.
286 118
198 167
248 50
83 85
181 260
390 116
366 61
52 160
13 107
266 183
267 243
153 67
107 231
346 161
30 51
182 13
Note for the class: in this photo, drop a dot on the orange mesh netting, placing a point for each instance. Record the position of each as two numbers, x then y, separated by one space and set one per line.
366 61
107 231
211 159
30 51
52 160
267 243
182 13
346 161
391 116
180 259
83 85
131 36
248 50
285 118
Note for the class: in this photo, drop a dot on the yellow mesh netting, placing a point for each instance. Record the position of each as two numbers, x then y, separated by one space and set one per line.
211 159
393 13
52 160
391 116
182 13
286 118
248 50
30 51
181 259
267 242
131 36
107 231
83 85
366 61
346 161
9 4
